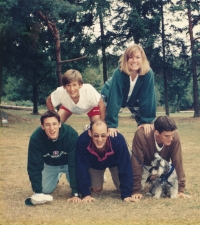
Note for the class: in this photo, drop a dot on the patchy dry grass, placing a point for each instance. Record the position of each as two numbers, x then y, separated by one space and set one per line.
108 209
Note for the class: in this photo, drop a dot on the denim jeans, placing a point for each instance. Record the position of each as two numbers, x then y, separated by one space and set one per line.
51 176
135 110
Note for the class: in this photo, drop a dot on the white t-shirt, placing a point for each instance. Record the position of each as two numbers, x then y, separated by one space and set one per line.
89 98
132 85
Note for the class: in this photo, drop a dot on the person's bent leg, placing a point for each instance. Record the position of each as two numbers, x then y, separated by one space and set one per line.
93 118
114 174
135 110
94 114
96 179
50 177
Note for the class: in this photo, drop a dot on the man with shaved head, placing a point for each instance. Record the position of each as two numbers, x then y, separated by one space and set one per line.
96 151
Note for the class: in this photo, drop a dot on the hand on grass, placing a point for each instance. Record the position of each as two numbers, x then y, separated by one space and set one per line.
88 199
131 199
112 132
137 196
74 199
147 128
182 195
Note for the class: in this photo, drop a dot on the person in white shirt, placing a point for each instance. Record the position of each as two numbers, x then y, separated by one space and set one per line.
76 97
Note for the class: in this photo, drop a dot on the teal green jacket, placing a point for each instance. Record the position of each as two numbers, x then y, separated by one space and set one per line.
54 153
116 91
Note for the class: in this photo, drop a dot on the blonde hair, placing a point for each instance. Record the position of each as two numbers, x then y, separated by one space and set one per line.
71 76
131 50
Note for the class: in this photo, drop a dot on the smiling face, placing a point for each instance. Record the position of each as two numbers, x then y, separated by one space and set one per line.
99 135
51 127
164 137
134 61
73 89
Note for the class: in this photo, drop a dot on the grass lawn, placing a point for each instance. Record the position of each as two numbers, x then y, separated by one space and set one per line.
108 208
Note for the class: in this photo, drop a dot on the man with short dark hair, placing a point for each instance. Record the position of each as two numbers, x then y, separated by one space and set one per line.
163 139
51 152
96 151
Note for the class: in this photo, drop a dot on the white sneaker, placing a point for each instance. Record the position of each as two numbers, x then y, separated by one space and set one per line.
86 127
40 198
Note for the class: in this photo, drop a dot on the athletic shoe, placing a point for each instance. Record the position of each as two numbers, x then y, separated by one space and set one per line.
4 121
86 127
40 198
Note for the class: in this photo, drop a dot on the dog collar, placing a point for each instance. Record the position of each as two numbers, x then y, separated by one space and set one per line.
164 178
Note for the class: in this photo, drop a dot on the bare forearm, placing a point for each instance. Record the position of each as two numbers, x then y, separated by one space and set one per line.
49 104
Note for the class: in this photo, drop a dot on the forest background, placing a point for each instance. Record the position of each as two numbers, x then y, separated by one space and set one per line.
40 40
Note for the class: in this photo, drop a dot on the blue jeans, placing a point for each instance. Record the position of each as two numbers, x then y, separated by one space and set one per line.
135 110
51 176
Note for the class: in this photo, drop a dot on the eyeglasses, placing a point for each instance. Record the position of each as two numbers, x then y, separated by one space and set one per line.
99 135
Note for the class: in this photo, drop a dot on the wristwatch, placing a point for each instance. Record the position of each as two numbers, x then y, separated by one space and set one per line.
76 194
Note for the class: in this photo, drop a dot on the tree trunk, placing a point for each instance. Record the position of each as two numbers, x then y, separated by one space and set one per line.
35 98
52 27
58 55
178 103
103 48
1 71
193 69
164 63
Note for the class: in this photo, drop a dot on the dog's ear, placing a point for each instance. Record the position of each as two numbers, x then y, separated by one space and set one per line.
156 155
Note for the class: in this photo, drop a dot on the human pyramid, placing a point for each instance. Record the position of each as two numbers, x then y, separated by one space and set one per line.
55 147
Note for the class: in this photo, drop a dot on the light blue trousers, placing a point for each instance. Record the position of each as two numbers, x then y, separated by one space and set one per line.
51 176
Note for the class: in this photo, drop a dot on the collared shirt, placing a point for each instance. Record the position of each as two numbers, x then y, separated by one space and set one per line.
101 155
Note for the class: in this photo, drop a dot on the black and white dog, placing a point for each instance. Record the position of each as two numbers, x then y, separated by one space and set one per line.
164 182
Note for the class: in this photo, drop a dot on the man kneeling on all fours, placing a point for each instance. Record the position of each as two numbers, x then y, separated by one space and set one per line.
51 152
96 151
164 140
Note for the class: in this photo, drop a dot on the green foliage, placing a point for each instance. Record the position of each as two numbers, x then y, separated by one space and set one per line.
112 63
179 86
136 21
24 103
94 77
190 10
16 90
29 59
29 47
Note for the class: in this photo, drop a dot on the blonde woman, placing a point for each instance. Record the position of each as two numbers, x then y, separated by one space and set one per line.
131 86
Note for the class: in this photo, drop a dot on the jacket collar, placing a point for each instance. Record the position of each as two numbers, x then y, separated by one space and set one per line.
108 150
